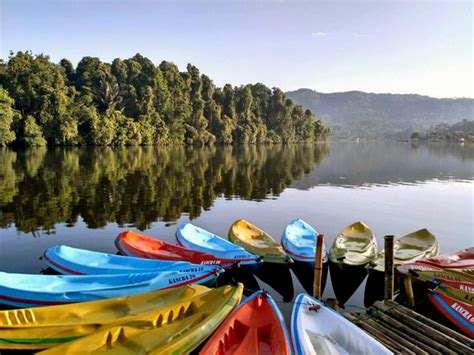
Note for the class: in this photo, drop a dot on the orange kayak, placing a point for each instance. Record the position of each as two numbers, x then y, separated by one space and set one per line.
255 327
139 245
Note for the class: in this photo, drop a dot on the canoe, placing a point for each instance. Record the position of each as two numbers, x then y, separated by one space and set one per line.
354 245
457 266
462 291
256 241
196 238
299 242
74 261
25 290
409 248
460 314
139 245
255 327
40 328
317 329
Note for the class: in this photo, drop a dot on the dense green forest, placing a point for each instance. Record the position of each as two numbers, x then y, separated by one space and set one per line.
460 132
134 102
137 186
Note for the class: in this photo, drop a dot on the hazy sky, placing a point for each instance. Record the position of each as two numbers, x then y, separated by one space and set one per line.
383 46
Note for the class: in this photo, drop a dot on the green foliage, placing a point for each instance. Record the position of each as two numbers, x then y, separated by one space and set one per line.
6 118
134 102
32 134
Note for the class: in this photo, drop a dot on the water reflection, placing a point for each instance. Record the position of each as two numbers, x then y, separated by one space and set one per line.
137 186
41 187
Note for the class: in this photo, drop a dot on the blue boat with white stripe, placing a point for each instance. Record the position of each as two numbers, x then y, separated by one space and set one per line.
199 239
299 241
25 290
75 261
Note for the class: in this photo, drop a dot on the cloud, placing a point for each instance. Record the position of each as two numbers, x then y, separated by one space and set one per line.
319 34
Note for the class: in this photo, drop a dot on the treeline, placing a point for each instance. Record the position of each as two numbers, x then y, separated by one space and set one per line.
459 132
134 102
140 185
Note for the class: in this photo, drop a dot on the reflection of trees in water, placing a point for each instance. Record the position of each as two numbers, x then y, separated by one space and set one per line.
139 185
462 151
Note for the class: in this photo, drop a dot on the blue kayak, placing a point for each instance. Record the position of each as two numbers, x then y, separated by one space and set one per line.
24 290
67 260
299 241
195 238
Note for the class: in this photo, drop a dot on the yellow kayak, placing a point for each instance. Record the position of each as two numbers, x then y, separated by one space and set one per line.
409 248
196 308
354 245
256 241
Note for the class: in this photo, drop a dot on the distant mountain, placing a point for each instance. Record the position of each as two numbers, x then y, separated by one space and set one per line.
361 114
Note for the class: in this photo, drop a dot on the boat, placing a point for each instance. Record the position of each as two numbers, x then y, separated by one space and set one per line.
199 239
258 242
414 246
457 266
134 244
25 290
74 261
317 329
255 327
354 247
195 306
460 314
278 277
299 242
462 291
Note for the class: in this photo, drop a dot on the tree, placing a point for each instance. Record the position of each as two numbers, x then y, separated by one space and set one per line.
33 136
6 118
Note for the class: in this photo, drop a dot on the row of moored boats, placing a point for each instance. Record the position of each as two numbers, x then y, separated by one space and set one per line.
156 297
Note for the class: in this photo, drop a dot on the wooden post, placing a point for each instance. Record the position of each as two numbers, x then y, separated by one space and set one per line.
318 267
388 290
407 280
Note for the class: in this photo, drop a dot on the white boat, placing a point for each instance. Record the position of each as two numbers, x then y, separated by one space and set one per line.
317 329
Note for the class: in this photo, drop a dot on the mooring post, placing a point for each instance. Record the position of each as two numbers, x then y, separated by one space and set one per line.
409 290
318 267
388 290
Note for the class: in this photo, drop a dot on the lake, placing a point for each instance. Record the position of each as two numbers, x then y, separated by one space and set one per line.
83 197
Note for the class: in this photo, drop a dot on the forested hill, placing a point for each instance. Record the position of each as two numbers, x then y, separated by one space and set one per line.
133 102
361 114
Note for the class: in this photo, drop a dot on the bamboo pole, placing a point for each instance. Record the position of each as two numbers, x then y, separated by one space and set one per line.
407 281
389 286
318 267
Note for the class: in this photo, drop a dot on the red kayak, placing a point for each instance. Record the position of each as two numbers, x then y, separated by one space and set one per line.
255 327
459 313
463 259
139 245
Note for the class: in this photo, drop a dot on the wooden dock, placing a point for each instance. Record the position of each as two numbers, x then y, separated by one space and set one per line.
405 331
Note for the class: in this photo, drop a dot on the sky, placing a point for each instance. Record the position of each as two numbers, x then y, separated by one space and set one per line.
375 46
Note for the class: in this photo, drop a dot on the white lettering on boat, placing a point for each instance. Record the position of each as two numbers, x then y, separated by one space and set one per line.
462 311
466 288
210 262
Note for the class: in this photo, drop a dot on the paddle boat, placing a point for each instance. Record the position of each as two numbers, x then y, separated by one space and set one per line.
74 261
317 329
25 290
255 327
134 244
199 239
184 317
409 248
258 242
354 247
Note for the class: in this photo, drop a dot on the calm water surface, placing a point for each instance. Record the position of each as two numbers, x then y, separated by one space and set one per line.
85 197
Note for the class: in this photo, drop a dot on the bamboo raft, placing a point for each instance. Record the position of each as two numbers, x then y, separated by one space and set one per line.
405 331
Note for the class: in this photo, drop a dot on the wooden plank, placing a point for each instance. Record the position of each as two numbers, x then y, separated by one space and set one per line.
448 332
